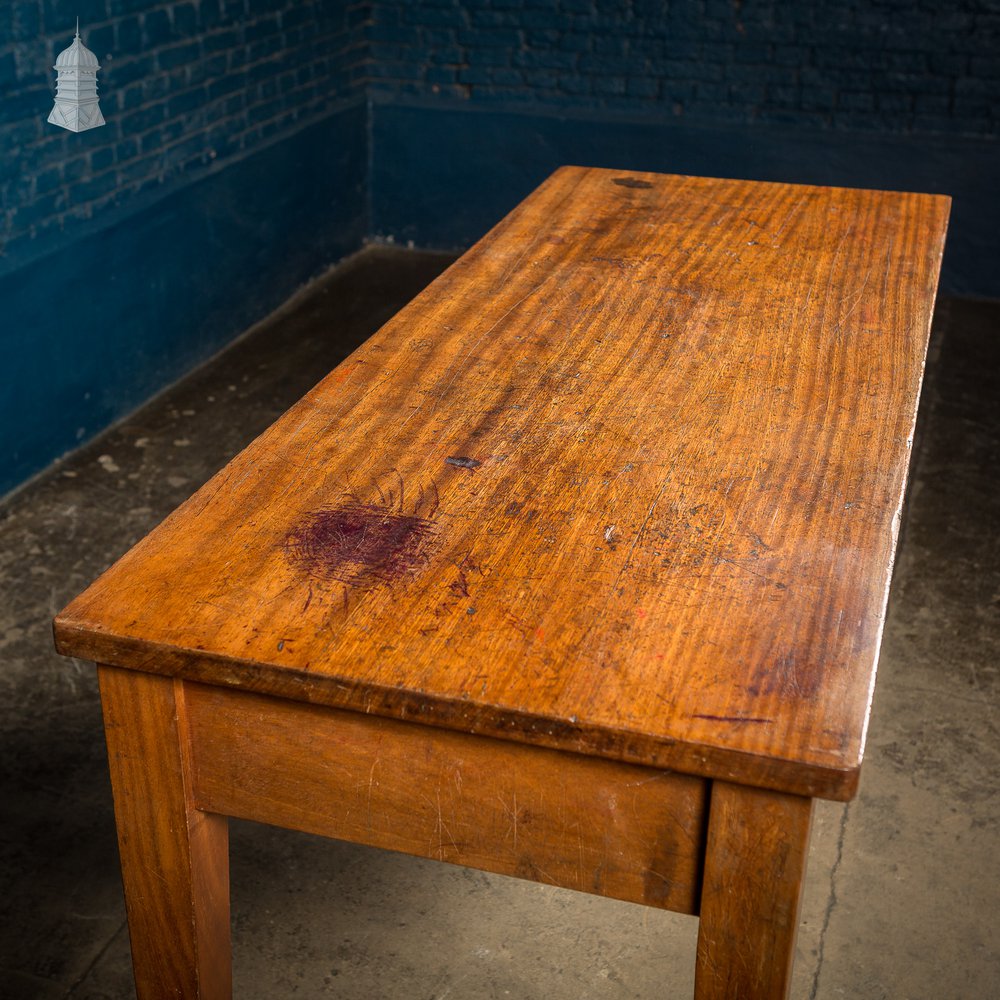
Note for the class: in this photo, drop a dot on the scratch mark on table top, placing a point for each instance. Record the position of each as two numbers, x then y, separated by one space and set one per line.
731 718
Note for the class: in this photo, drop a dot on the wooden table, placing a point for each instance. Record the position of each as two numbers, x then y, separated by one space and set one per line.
575 571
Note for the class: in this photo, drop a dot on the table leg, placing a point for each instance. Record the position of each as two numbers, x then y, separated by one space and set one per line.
754 868
175 858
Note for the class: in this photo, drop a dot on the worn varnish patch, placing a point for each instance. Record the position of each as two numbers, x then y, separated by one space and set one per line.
357 544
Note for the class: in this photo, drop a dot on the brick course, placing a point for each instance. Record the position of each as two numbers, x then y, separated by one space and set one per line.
899 66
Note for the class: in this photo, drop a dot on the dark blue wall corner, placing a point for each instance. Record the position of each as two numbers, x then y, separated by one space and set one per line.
442 175
95 328
240 156
233 166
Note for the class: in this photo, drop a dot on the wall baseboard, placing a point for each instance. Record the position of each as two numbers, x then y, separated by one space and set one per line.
96 327
442 175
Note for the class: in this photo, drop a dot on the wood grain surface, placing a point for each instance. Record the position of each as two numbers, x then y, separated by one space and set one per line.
625 480
582 823
758 841
175 858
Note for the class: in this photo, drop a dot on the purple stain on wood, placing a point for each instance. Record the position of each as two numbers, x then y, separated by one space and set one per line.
359 544
630 182
462 462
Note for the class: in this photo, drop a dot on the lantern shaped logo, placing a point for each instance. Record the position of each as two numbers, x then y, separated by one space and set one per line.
76 106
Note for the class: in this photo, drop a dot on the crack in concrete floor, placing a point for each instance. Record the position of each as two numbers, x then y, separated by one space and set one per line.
830 903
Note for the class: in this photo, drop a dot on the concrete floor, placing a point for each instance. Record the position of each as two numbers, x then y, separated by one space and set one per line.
902 893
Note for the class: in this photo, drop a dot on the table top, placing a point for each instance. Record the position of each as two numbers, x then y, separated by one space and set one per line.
625 480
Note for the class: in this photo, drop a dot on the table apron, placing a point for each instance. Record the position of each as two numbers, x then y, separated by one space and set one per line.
618 830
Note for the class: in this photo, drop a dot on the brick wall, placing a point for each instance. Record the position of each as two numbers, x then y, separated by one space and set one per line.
185 87
901 66
190 85
423 120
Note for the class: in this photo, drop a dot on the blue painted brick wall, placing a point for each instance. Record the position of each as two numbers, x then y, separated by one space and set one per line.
190 85
900 66
263 139
185 87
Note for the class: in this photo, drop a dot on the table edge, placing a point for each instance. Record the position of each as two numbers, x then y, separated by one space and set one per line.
86 642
